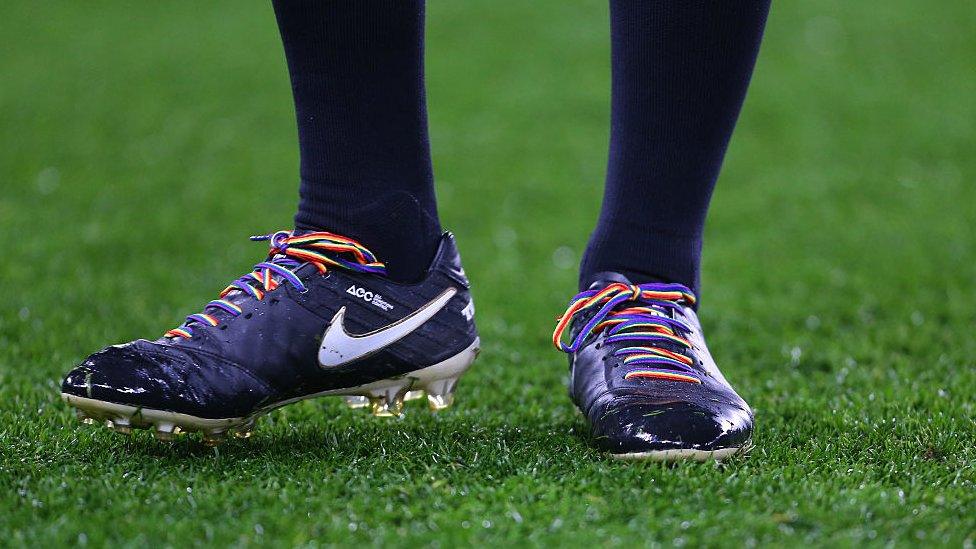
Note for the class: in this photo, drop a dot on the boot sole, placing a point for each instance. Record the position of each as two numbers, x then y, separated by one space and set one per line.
684 454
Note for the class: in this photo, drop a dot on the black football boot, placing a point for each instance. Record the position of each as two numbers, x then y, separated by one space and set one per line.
643 377
318 317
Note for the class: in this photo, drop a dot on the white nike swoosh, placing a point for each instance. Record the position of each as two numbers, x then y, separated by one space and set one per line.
339 347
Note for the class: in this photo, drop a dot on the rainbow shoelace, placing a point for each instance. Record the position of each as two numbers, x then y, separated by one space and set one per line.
288 252
637 314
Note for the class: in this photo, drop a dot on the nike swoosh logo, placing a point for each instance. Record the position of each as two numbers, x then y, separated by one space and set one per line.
340 347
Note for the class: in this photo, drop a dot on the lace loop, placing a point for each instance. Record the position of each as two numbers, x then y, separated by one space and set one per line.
287 252
642 316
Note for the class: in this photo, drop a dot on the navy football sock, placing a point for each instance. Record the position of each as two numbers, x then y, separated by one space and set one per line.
357 76
679 76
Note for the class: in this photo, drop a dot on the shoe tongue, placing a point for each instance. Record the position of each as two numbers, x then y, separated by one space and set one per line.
605 278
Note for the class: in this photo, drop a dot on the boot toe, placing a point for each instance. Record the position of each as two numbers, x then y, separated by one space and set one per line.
145 375
642 427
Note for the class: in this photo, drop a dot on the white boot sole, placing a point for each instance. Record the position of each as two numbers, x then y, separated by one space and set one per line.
685 454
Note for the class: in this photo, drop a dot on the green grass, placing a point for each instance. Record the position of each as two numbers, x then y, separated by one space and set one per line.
141 143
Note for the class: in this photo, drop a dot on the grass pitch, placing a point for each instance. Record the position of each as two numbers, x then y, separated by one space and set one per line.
141 143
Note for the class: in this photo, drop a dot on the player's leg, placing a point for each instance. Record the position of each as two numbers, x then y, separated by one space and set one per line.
357 75
642 373
364 299
680 72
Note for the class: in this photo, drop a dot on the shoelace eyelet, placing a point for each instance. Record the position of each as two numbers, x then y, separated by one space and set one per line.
288 252
644 318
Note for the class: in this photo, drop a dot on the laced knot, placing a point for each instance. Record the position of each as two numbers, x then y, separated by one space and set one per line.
640 316
287 253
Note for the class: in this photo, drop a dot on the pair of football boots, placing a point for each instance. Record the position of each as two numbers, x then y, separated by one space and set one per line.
319 317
